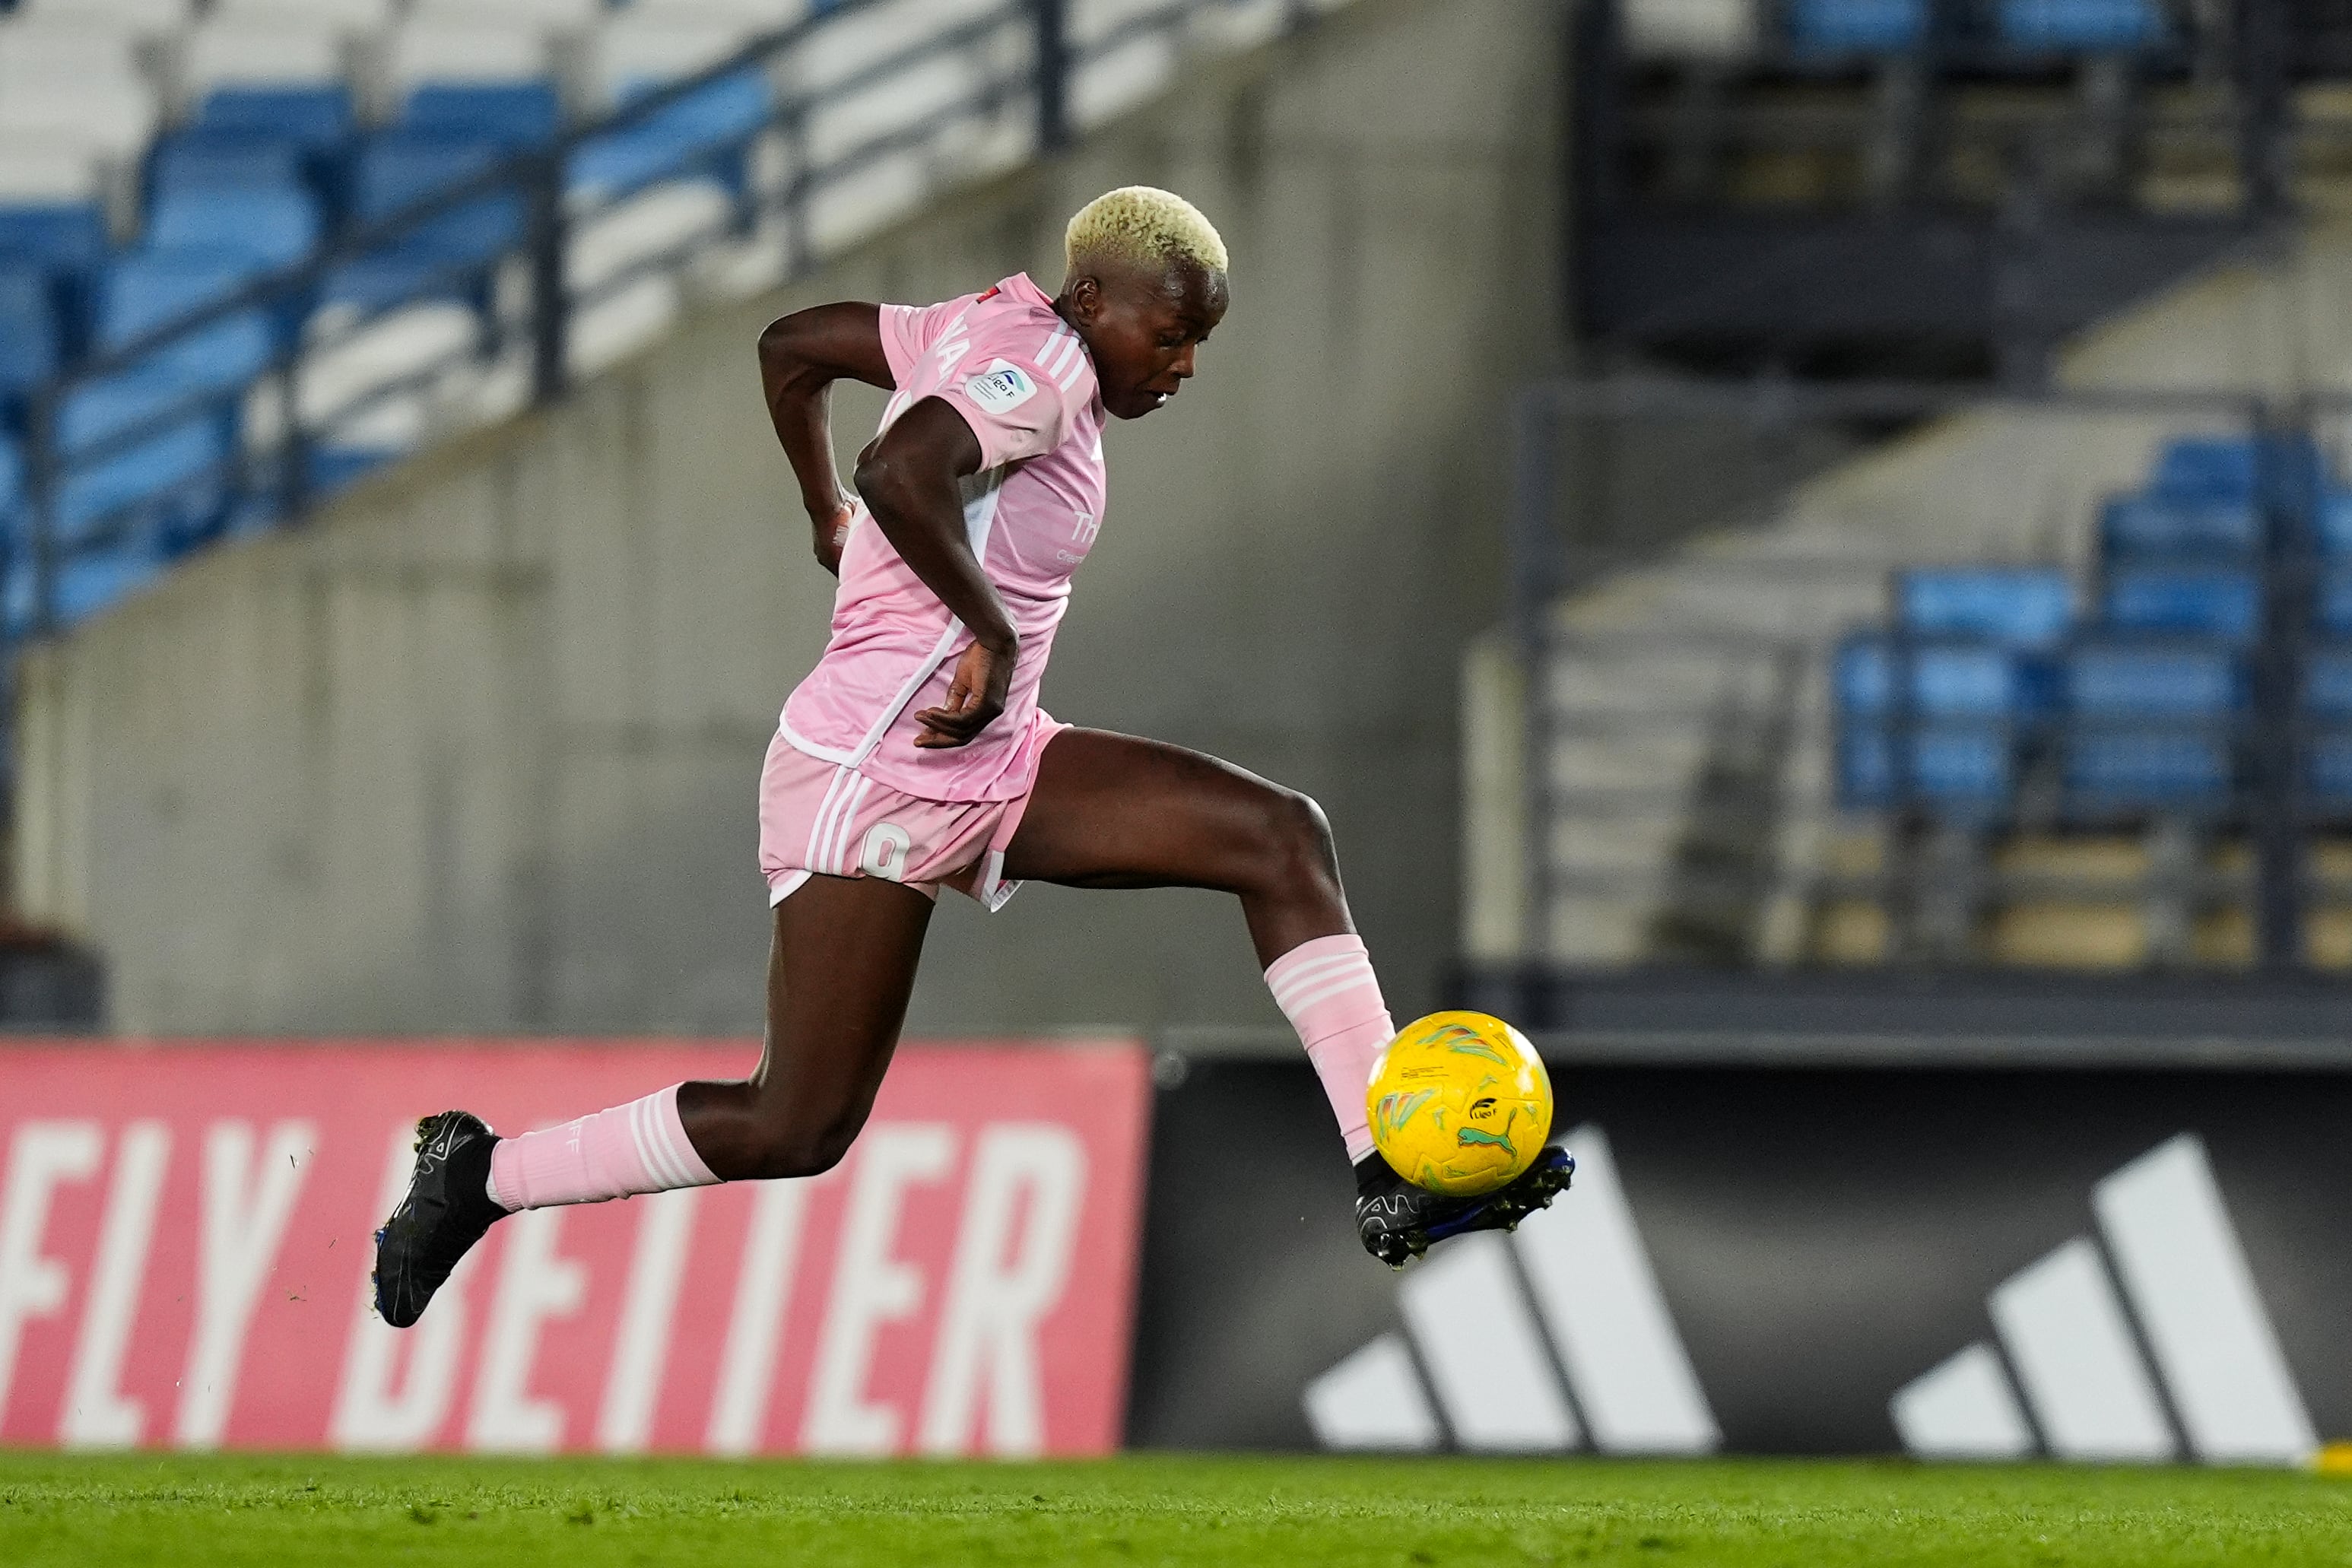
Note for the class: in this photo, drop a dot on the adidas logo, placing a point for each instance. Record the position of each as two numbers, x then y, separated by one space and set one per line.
1533 1341
2182 1359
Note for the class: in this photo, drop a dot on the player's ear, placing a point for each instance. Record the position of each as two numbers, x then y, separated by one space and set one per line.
1086 297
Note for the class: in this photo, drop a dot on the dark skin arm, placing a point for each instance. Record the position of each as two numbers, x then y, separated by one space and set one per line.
801 356
909 480
908 477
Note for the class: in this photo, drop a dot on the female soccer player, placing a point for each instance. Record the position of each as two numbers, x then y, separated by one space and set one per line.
915 756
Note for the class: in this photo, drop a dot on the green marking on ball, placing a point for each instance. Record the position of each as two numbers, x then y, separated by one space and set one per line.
1469 1135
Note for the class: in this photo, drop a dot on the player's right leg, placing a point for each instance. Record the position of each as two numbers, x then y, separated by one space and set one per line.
1113 811
839 973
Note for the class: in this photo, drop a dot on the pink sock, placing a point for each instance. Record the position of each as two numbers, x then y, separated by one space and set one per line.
1327 989
640 1147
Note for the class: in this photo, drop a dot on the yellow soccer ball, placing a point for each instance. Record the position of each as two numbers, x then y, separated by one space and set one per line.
1460 1103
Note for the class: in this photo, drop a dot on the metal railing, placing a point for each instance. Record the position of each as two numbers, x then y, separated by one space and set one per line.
1025 60
1684 558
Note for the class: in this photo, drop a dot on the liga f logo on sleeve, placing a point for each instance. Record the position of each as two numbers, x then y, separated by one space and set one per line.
1001 388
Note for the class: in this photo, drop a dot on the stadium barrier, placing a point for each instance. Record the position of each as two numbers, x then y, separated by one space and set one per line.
2132 1252
184 1252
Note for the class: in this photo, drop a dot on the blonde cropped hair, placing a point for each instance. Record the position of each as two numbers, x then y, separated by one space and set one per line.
1142 224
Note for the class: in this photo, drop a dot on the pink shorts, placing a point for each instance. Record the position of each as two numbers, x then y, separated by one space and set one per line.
819 819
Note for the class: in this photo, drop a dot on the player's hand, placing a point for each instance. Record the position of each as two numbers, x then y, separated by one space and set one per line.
975 697
832 533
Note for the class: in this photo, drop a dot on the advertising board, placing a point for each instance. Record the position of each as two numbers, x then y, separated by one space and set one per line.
185 1243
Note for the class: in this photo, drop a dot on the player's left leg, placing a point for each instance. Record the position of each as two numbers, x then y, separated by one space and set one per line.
1111 811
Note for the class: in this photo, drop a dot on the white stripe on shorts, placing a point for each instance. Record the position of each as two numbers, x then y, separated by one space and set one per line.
813 858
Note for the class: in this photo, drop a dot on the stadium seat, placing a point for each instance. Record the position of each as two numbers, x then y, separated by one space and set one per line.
704 134
1967 769
2148 769
2104 679
447 51
62 236
662 224
1856 26
2018 606
30 343
444 255
1946 680
88 581
2236 467
2080 25
2160 525
2327 681
636 49
269 227
2216 602
2332 606
2327 772
317 120
347 379
75 76
288 48
214 157
176 477
2332 521
113 119
512 114
141 291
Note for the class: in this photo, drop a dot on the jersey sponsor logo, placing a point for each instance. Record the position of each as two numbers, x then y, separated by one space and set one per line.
1001 388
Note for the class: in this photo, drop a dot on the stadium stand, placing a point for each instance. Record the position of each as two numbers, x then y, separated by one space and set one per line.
407 217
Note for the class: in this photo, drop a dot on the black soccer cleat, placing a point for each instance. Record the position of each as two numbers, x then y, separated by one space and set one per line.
1398 1221
447 1209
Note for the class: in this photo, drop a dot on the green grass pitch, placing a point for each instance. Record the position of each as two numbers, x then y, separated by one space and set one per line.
1288 1513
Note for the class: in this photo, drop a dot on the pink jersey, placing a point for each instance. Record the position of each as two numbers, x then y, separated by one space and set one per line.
1024 382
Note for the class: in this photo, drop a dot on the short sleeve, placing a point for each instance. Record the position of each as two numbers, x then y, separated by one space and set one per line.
1009 404
903 339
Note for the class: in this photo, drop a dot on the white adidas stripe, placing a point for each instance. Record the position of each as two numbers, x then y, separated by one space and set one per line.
2068 1339
1479 1334
813 857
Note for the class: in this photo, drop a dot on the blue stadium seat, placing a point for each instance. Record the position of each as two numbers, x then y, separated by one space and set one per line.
2233 466
64 236
144 290
212 157
316 119
1856 26
2148 769
30 343
445 256
88 581
2332 605
2327 681
2216 602
685 137
512 114
1948 680
2020 606
173 480
2332 522
1958 769
2080 25
2105 679
2211 527
270 226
